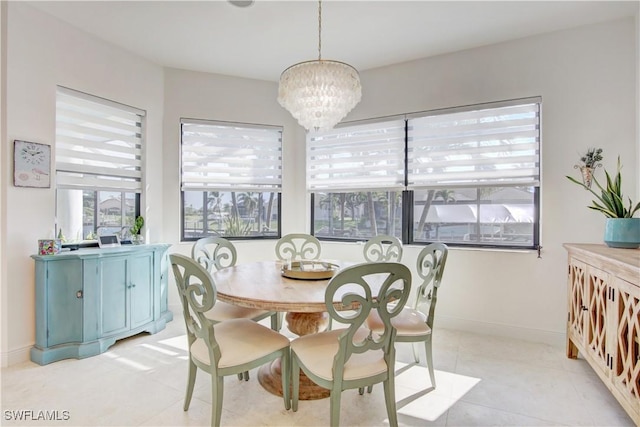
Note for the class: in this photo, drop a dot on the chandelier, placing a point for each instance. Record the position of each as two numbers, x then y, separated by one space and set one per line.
321 92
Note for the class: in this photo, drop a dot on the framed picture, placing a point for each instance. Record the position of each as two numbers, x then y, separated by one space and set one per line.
31 164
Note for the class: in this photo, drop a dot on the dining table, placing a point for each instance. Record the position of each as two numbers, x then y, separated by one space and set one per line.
262 285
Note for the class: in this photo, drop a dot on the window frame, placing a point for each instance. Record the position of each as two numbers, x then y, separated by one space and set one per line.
100 118
277 189
408 193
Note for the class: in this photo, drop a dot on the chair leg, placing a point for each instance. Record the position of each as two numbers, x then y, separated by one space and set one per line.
428 351
295 382
191 381
217 391
390 400
335 407
285 361
416 352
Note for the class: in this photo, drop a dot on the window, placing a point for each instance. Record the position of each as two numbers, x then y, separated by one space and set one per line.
356 177
231 179
98 165
471 177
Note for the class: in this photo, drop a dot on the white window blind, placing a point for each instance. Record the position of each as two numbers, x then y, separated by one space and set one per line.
360 157
98 143
230 157
476 147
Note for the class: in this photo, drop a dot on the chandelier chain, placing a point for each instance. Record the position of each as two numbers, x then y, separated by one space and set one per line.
319 30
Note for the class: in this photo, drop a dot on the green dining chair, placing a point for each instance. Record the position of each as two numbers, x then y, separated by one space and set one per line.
226 348
383 248
354 357
298 246
216 253
415 324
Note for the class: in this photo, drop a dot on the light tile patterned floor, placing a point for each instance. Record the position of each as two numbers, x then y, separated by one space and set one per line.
482 381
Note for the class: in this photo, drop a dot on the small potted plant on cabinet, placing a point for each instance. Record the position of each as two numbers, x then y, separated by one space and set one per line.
622 230
136 236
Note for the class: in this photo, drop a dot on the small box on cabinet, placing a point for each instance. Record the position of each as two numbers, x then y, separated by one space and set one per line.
49 246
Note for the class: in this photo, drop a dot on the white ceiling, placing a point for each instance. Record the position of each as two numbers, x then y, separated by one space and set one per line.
262 40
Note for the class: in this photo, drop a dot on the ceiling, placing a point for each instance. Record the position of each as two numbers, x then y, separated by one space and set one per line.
262 40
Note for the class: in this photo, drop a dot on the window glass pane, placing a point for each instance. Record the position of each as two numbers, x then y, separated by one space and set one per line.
84 214
357 215
491 216
230 214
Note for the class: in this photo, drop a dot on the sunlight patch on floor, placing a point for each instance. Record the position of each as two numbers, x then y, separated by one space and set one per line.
180 342
450 388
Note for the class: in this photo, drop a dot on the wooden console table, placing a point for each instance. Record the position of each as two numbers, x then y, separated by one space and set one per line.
603 322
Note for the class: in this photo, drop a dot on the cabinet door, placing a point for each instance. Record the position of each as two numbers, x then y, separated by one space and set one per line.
577 305
626 366
141 288
64 304
113 296
596 323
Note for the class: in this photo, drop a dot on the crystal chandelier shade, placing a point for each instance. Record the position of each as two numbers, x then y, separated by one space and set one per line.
319 93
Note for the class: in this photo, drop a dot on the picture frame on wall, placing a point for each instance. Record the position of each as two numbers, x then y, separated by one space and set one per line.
31 164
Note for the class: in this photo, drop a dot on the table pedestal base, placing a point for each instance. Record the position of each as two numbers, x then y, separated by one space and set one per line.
270 378
270 375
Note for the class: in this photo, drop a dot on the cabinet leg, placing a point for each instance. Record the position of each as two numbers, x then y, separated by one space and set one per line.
572 350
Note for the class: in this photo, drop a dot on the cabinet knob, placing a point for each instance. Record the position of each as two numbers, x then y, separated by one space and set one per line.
79 294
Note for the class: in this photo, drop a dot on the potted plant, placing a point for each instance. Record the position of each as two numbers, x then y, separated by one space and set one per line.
590 161
622 230
136 229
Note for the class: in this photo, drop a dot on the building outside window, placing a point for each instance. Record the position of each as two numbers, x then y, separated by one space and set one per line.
231 179
468 177
99 149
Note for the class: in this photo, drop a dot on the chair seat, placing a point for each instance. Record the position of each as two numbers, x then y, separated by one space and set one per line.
409 323
316 352
241 341
223 311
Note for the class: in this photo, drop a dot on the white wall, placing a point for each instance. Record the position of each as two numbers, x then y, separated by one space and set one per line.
43 52
586 77
587 80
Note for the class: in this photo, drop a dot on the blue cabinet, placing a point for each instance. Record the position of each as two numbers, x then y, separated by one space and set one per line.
88 299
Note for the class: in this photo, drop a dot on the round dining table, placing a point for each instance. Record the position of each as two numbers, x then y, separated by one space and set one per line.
262 285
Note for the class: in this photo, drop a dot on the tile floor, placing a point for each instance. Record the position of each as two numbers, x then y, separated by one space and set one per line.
482 381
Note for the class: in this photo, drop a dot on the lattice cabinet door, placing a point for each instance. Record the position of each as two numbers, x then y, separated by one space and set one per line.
596 321
576 287
626 366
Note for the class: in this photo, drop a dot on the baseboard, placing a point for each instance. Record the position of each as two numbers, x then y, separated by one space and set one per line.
556 339
13 357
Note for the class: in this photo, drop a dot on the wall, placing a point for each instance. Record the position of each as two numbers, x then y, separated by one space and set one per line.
195 95
587 80
43 52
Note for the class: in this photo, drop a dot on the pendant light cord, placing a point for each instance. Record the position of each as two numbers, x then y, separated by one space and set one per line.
319 30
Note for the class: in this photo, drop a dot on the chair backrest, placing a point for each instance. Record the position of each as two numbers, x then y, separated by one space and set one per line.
197 294
383 248
430 265
352 285
297 246
214 253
